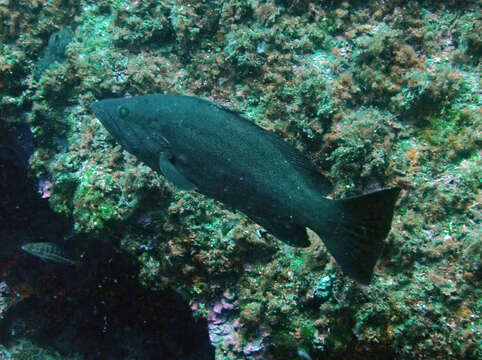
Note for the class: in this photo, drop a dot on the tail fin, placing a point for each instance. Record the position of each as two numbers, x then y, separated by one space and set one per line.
355 231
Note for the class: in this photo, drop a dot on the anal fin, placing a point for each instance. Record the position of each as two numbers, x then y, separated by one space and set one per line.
285 230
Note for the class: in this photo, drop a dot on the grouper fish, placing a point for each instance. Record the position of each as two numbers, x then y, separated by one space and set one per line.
198 145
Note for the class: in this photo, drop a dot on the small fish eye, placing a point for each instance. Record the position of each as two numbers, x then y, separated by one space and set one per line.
123 112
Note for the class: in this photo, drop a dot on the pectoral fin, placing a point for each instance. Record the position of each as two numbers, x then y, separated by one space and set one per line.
172 174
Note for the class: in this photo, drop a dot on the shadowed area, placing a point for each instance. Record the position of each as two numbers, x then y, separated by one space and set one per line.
96 311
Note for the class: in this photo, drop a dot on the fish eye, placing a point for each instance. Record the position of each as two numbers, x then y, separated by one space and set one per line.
123 111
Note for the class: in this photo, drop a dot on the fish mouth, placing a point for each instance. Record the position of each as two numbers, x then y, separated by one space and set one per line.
100 114
116 128
105 118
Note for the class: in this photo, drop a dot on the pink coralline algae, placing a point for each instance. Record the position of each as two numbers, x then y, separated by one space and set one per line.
44 188
224 330
256 348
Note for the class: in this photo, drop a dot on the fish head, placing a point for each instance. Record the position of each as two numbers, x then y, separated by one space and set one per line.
32 248
132 123
28 247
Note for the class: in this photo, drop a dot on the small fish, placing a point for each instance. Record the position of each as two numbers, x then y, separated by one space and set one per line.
198 145
48 251
303 354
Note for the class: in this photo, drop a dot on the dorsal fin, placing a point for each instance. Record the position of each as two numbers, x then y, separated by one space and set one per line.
225 108
292 154
300 162
228 109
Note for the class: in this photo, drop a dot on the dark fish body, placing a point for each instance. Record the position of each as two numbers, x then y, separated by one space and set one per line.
198 145
48 251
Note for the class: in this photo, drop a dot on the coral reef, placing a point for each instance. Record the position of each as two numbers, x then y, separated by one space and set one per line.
375 93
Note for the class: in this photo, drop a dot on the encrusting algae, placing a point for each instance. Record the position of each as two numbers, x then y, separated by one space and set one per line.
374 94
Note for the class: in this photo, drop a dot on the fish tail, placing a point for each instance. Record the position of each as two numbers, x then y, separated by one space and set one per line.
355 228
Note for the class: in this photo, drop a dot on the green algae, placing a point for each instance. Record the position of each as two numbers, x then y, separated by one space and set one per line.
27 350
375 94
364 143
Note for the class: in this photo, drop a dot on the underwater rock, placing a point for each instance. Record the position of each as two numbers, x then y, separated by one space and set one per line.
373 93
54 53
198 145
